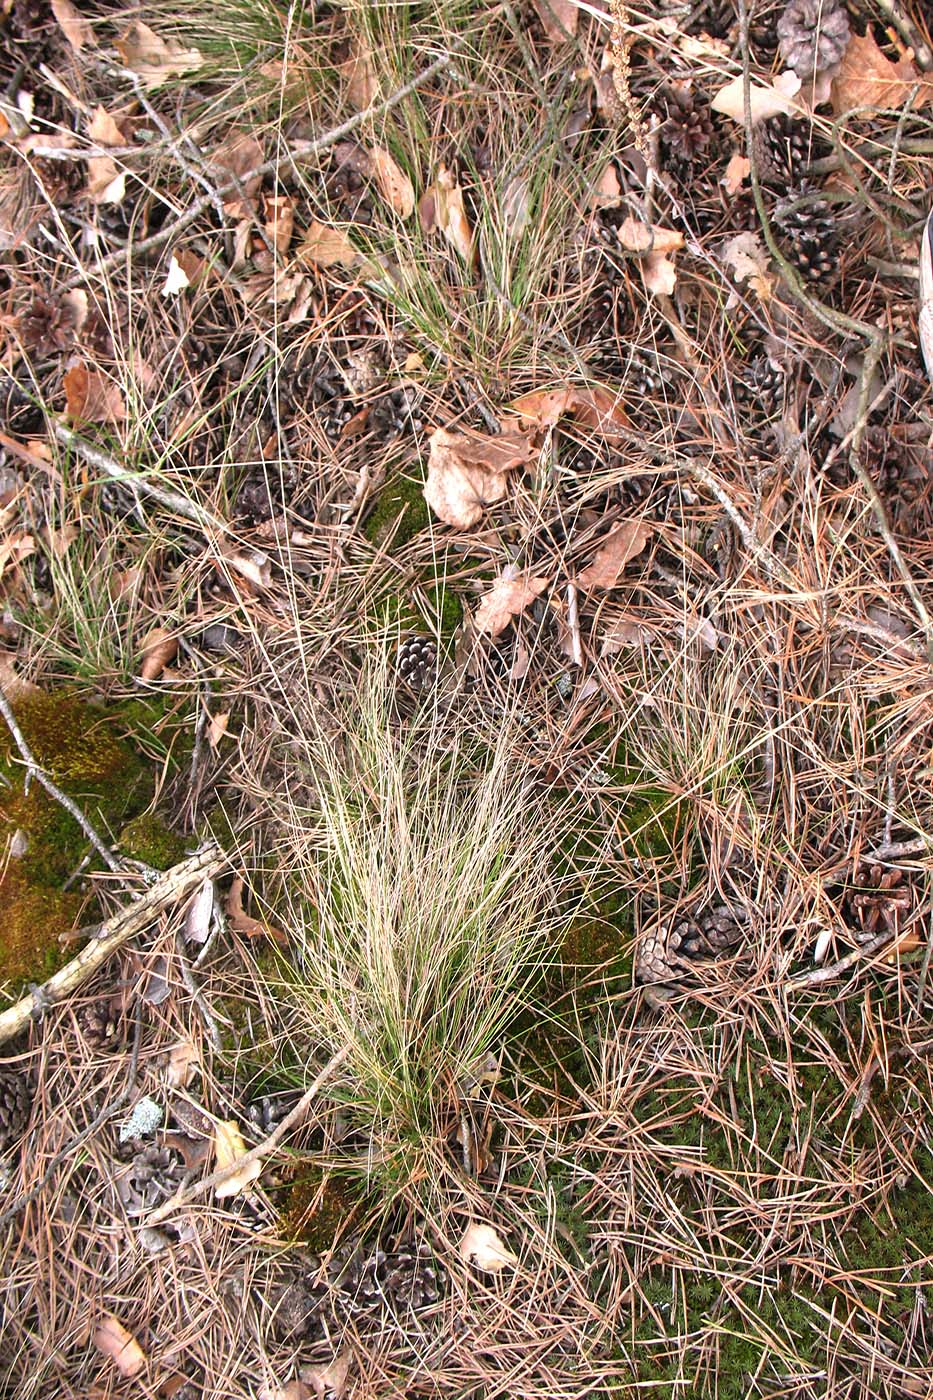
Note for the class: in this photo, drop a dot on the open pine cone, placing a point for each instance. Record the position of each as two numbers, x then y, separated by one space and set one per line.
15 1105
812 35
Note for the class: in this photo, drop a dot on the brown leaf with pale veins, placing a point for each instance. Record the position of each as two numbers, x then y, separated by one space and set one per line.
359 74
867 79
595 408
158 648
113 1339
329 1382
510 595
325 246
622 543
468 471
76 29
394 185
90 398
154 59
558 18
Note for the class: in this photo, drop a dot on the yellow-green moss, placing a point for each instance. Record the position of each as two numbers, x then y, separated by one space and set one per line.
316 1209
148 839
80 747
401 503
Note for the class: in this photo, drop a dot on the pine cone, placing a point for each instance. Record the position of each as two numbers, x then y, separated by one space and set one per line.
266 1113
31 19
665 954
15 1105
688 129
783 149
882 900
152 1175
809 233
416 662
812 35
46 326
319 382
100 1026
759 386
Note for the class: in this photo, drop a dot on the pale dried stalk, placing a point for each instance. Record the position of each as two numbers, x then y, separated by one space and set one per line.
111 935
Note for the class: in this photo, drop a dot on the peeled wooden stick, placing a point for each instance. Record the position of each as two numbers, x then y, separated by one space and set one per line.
168 889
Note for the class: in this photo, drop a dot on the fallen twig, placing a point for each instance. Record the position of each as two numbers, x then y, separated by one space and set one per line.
262 1149
825 974
168 889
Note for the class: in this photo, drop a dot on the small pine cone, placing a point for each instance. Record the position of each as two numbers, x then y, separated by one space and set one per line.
651 962
32 19
266 1113
320 382
812 35
723 927
61 180
298 1311
412 1282
783 149
152 1175
100 1026
47 325
688 130
759 386
416 662
15 1105
809 233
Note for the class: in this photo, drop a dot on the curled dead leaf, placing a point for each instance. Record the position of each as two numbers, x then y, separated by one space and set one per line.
867 79
329 1382
78 31
468 471
623 543
639 237
159 647
183 1060
154 59
441 207
90 398
106 182
229 1147
558 19
239 156
765 101
393 184
359 74
103 129
510 595
241 922
736 173
280 221
326 247
595 408
116 1342
480 1245
658 274
748 259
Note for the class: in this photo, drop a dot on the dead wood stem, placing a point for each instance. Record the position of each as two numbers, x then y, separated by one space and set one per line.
262 1149
168 889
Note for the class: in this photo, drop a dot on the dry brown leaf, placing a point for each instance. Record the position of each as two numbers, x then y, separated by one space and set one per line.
359 74
622 635
14 549
623 543
217 728
106 182
228 1147
658 274
774 101
468 471
329 1381
291 1390
867 79
510 595
558 18
159 647
241 922
238 156
595 408
252 566
183 1060
280 221
639 237
104 130
480 1245
90 398
444 199
748 259
394 185
78 31
113 1339
607 192
737 172
325 246
154 59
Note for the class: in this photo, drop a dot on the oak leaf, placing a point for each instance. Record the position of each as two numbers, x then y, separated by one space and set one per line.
558 18
228 1148
393 184
764 101
90 398
480 1245
154 59
510 595
326 247
595 408
468 470
113 1339
441 207
623 543
77 30
867 79
359 74
106 182
103 129
158 648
